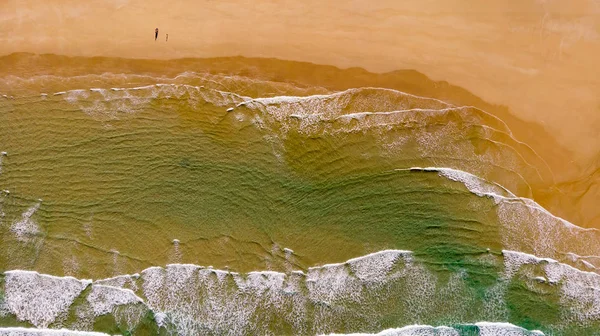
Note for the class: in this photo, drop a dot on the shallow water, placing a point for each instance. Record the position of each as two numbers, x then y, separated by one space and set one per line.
109 174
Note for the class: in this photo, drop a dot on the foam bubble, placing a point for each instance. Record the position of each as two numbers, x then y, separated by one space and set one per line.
26 228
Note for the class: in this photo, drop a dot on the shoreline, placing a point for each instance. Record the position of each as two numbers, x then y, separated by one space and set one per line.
331 78
295 72
537 58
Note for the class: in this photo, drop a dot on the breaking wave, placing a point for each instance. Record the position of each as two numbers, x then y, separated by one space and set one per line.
354 296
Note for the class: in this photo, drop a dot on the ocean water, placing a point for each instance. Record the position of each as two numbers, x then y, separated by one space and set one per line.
202 203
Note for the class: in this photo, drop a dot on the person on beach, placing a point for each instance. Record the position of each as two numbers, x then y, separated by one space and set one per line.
155 34
167 40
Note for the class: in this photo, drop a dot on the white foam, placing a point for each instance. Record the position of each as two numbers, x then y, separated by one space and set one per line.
120 281
411 330
39 298
161 319
145 87
485 329
367 256
47 332
26 227
589 265
73 96
482 187
503 329
514 260
362 115
294 99
376 266
129 100
476 185
174 291
195 299
385 102
209 81
313 108
104 299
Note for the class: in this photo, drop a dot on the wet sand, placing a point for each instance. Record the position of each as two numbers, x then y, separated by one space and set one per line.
536 57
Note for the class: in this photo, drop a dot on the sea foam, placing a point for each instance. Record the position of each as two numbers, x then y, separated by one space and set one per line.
46 332
39 298
191 299
482 329
26 228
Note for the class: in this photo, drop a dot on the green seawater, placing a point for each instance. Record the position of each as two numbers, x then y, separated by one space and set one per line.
166 171
114 178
